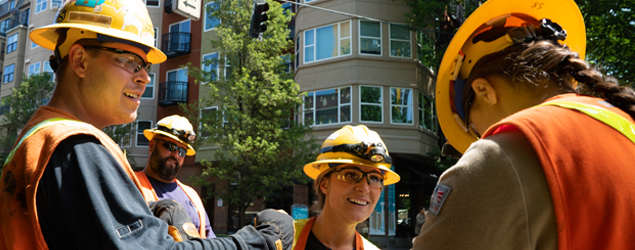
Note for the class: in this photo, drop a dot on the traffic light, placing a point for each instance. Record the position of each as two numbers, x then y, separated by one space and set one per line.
258 18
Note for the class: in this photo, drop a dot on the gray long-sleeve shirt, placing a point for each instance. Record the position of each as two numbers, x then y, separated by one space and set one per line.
85 200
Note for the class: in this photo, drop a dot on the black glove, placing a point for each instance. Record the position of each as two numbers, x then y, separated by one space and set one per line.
276 226
180 225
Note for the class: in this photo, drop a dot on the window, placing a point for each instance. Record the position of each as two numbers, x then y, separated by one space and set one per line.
12 4
210 65
178 78
399 41
141 126
297 52
206 114
149 92
183 26
5 106
427 117
227 71
12 43
2 52
401 106
371 104
34 45
34 69
369 37
156 37
47 69
8 74
40 5
152 3
4 25
55 4
329 106
327 42
210 21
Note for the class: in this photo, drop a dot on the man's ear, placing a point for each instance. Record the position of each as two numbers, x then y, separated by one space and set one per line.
483 89
77 60
324 185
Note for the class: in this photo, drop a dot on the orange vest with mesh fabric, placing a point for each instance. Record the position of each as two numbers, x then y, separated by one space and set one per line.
19 225
588 164
303 228
150 195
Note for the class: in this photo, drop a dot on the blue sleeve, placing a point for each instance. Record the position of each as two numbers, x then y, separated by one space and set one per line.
208 228
85 200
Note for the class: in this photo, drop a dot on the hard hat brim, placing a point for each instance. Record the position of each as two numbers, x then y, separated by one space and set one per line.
150 133
566 13
46 37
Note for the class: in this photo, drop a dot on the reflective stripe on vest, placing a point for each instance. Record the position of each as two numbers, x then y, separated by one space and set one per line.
607 117
34 129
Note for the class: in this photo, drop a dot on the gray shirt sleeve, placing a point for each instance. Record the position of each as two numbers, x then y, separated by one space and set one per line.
85 200
498 199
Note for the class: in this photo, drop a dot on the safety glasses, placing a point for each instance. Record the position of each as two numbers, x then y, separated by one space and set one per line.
173 147
126 59
354 176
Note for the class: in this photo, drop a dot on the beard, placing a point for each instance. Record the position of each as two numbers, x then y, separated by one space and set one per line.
160 166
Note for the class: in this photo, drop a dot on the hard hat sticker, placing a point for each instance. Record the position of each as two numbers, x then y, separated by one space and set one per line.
333 136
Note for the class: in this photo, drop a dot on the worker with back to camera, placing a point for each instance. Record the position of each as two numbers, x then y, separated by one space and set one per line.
544 167
350 173
66 184
170 141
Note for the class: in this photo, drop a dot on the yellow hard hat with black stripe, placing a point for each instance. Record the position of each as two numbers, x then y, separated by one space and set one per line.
356 146
495 25
176 127
125 21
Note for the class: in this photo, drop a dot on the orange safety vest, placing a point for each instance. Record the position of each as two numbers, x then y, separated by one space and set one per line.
589 169
19 225
303 228
148 192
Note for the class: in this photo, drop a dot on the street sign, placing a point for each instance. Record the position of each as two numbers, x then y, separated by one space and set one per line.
188 8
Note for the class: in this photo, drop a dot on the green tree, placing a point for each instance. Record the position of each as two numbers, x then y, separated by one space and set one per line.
34 90
260 149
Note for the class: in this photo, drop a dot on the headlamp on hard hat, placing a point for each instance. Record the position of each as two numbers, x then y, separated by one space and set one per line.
186 136
374 152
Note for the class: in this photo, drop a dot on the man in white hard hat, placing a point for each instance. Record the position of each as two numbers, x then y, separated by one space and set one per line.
169 143
66 184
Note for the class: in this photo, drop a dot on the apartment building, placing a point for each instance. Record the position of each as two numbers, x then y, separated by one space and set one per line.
360 71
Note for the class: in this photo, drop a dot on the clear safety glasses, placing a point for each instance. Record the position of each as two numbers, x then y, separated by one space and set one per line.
126 59
354 176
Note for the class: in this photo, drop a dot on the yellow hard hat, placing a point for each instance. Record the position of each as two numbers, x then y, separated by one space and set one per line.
353 145
124 20
514 19
176 127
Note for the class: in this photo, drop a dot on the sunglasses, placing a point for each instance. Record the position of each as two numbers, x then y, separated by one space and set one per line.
354 176
173 147
126 59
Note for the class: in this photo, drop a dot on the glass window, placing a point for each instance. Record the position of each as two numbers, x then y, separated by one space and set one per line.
399 41
206 114
156 37
370 103
55 4
227 71
327 42
47 69
34 69
427 117
141 126
177 78
297 52
34 45
369 37
4 25
329 106
40 5
401 106
5 106
12 4
210 21
210 65
8 74
152 3
12 43
149 92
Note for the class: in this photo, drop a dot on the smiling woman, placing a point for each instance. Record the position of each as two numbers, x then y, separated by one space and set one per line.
350 173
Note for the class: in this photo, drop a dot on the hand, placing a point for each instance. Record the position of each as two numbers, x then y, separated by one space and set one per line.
180 225
282 224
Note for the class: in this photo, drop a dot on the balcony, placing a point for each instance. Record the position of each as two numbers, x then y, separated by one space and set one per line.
176 44
172 93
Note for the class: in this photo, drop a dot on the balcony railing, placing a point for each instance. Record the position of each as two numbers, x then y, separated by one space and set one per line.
176 44
172 93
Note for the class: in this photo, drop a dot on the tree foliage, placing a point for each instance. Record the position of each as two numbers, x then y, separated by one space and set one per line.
260 149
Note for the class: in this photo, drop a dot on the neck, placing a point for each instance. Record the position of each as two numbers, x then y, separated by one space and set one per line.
332 233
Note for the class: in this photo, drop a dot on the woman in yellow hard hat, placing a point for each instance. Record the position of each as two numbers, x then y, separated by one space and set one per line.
350 173
537 153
